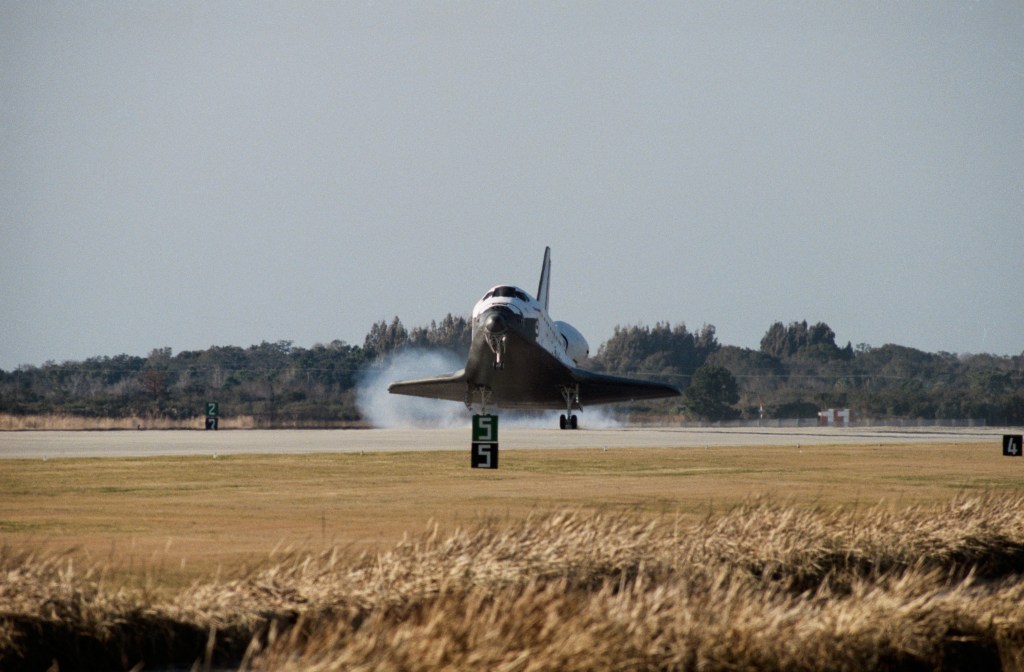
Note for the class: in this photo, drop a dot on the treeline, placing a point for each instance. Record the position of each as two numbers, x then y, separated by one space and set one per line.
273 382
797 370
277 384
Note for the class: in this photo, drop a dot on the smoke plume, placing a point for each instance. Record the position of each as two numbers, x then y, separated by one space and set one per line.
392 411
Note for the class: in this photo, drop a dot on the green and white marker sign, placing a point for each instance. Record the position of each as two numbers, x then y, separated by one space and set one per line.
485 442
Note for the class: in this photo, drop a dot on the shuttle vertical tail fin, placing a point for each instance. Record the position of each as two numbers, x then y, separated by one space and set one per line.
544 289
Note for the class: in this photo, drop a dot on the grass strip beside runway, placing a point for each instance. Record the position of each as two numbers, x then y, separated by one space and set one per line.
186 516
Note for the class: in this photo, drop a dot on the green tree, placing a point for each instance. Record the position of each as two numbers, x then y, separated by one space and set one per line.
817 341
661 350
385 338
711 394
453 334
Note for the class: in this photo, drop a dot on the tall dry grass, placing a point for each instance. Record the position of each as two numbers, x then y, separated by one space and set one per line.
14 423
763 586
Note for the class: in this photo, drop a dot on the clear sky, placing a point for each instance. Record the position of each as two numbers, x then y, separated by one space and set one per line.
188 174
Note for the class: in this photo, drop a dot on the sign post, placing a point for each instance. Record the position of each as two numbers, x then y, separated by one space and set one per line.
1012 445
212 414
484 454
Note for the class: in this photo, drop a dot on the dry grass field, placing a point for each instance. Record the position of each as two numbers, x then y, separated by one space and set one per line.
837 557
20 423
74 423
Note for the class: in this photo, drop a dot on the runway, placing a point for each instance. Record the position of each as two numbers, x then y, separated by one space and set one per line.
140 444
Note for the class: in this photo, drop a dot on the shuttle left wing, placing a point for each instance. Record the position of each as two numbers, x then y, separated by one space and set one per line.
599 388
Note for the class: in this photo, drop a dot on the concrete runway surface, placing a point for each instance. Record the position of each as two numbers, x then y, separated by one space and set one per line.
56 445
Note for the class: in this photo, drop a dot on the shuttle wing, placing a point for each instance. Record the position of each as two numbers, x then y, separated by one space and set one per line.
599 388
594 388
452 387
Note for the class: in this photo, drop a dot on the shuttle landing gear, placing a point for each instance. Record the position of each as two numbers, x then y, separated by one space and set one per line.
485 398
571 394
497 346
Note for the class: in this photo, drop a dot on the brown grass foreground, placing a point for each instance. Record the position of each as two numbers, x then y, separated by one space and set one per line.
760 587
747 558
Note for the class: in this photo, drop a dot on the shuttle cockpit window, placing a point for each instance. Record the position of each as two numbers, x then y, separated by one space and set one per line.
506 292
509 293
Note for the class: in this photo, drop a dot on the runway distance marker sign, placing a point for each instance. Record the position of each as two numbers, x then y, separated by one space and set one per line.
1012 445
484 453
212 414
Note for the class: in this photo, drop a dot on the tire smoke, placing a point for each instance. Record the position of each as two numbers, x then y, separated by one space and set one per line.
397 411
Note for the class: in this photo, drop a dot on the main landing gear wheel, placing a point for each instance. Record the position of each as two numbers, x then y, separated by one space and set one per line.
571 395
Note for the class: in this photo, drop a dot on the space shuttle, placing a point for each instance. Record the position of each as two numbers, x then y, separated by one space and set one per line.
520 358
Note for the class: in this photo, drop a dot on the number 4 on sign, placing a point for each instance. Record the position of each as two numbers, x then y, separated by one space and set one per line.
1012 445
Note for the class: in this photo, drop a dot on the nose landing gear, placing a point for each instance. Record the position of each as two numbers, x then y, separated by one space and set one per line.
495 327
497 346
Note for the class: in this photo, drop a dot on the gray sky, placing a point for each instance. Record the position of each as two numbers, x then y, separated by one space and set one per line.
189 174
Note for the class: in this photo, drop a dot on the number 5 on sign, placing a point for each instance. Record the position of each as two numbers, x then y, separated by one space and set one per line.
485 456
485 429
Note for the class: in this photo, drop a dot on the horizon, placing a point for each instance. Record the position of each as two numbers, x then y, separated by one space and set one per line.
841 343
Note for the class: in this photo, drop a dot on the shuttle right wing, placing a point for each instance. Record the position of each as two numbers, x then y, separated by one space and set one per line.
452 387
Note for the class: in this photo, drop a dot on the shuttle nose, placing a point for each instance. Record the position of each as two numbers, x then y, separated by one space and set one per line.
495 323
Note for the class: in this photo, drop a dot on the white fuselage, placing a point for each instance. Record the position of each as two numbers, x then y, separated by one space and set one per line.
560 339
